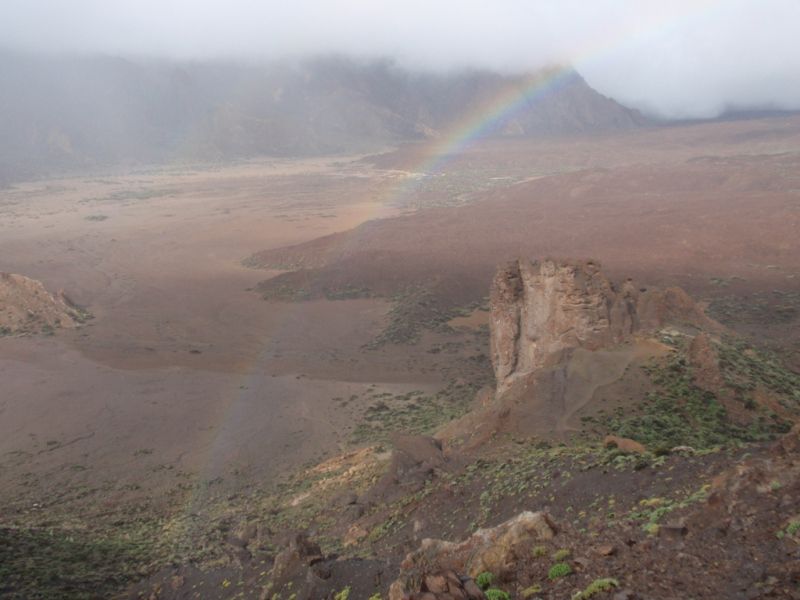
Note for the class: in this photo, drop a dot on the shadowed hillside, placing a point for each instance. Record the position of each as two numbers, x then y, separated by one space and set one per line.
73 113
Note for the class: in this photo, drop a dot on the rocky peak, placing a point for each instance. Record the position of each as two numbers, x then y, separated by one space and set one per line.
542 309
27 307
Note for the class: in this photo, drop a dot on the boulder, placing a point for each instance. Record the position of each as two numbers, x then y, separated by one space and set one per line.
415 459
299 554
445 585
27 307
625 444
496 550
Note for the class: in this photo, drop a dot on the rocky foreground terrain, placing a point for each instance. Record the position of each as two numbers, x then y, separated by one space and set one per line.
220 431
632 448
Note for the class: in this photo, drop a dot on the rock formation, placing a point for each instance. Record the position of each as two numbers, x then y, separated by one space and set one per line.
540 310
27 307
495 550
415 458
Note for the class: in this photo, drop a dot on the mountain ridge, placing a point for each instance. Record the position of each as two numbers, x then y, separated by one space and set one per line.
83 113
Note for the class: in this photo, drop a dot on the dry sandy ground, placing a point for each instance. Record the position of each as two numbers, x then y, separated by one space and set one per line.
182 369
714 208
184 372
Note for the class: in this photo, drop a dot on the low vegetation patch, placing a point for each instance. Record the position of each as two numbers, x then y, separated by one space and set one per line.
414 412
561 555
414 310
558 571
57 563
744 369
653 510
530 591
598 586
791 530
678 413
484 580
344 594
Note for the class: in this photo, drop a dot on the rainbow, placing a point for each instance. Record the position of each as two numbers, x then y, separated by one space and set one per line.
485 118
490 115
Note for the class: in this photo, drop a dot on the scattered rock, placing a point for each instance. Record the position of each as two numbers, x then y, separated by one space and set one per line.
177 582
704 359
624 444
352 512
355 534
445 585
415 459
496 550
300 553
581 562
673 530
435 583
606 550
346 499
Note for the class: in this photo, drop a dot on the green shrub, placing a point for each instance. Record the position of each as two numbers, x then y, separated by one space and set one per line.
652 528
343 595
530 591
679 413
539 551
793 527
561 555
558 570
495 594
484 580
598 586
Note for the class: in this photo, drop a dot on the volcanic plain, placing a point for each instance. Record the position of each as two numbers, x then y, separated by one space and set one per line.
245 321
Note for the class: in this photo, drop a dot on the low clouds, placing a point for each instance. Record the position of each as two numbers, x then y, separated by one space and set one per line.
683 58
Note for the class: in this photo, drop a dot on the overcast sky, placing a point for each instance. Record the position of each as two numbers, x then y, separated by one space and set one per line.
678 58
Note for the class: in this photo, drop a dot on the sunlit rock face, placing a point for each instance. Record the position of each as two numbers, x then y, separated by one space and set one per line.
27 307
541 309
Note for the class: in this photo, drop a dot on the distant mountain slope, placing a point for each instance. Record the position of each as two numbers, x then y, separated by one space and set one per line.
73 113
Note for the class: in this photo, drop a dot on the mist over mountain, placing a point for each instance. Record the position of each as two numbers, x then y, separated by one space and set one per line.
82 113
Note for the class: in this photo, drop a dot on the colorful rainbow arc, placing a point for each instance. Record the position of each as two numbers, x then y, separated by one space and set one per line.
491 115
484 119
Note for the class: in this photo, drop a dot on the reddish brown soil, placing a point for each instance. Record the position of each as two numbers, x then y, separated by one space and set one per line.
716 227
187 375
681 224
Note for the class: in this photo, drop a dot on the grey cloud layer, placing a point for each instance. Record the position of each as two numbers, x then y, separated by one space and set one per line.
680 58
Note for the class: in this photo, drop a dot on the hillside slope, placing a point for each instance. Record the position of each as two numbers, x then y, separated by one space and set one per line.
27 307
700 477
88 112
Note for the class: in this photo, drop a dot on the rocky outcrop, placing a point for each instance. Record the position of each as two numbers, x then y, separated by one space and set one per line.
27 307
300 553
415 459
624 444
496 550
446 585
542 309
